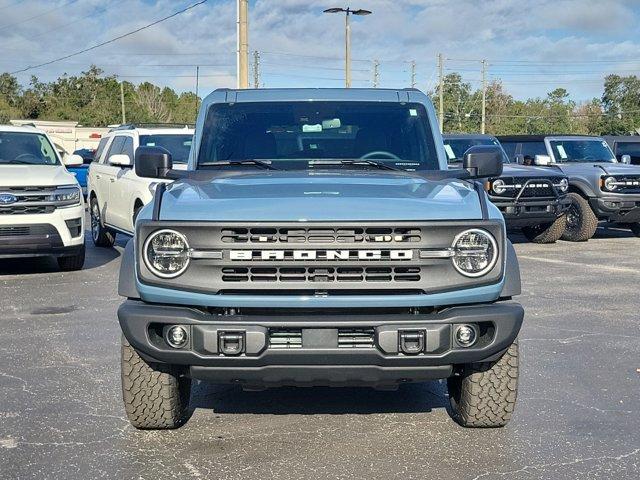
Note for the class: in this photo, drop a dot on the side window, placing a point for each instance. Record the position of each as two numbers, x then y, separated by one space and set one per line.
127 147
100 149
115 148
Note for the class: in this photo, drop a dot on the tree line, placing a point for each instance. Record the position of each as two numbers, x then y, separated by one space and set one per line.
94 99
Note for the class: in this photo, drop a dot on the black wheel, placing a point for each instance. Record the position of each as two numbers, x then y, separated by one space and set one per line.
546 232
581 221
136 212
71 263
635 228
102 237
156 395
484 395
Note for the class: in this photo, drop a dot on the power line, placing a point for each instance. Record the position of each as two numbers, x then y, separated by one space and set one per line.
119 37
11 5
38 16
93 13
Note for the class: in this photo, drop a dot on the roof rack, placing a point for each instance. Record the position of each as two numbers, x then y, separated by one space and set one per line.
132 126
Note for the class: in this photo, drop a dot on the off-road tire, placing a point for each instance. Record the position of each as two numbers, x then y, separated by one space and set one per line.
102 236
546 232
584 225
484 395
71 263
635 228
155 395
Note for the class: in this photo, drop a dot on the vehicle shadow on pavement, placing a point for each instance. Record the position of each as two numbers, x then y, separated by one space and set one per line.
95 258
410 398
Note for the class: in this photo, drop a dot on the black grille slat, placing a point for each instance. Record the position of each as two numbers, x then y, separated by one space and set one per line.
321 274
26 209
355 338
283 339
321 235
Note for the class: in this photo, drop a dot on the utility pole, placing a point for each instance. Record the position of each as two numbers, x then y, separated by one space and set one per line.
256 69
376 73
197 86
124 117
441 92
243 44
413 74
484 97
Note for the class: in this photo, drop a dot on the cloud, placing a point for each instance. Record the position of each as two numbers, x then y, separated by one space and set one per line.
301 46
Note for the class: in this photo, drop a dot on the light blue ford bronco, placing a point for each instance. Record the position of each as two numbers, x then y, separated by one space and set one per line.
318 238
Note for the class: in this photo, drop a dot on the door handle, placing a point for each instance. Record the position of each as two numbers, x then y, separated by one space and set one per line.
112 180
98 176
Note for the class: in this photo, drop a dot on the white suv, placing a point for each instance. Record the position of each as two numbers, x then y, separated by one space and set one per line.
115 193
41 204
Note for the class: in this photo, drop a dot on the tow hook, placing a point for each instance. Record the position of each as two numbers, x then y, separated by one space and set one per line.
411 342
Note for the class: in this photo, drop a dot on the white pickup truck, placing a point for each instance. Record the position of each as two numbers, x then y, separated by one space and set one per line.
41 204
114 192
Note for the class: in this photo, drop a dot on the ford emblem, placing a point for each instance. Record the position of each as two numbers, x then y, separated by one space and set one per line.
7 198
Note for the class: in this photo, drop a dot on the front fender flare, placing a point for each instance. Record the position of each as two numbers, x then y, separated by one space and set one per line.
127 282
512 282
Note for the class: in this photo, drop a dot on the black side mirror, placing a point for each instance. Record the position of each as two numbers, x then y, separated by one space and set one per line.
153 162
482 161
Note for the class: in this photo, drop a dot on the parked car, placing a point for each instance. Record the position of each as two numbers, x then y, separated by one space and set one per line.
81 171
318 238
600 187
625 148
41 205
530 198
116 193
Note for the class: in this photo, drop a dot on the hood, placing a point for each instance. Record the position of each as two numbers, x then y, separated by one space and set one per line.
35 176
599 168
516 170
319 196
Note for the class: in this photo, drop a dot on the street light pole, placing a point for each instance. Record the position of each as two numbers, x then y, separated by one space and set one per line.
347 38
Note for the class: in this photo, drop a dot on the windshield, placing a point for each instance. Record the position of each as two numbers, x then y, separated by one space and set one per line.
177 144
455 147
528 150
581 151
628 148
291 135
26 148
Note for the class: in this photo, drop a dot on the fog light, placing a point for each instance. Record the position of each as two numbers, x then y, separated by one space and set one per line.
465 335
176 336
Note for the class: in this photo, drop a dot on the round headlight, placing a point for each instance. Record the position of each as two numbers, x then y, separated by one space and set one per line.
498 186
475 252
609 183
564 185
166 253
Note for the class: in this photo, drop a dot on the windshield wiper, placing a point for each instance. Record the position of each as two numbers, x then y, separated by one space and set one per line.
256 163
362 161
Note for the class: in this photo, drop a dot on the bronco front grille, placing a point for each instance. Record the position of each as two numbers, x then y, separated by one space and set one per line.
297 235
282 339
321 274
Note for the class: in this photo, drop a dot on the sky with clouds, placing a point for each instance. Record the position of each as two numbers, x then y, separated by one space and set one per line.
533 46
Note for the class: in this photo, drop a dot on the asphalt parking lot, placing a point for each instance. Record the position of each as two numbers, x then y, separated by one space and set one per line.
578 413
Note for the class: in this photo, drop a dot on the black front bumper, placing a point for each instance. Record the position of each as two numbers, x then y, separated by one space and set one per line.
531 211
315 353
621 208
17 241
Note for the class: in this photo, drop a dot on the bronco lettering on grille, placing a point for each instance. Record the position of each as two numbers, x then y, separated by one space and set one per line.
306 255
